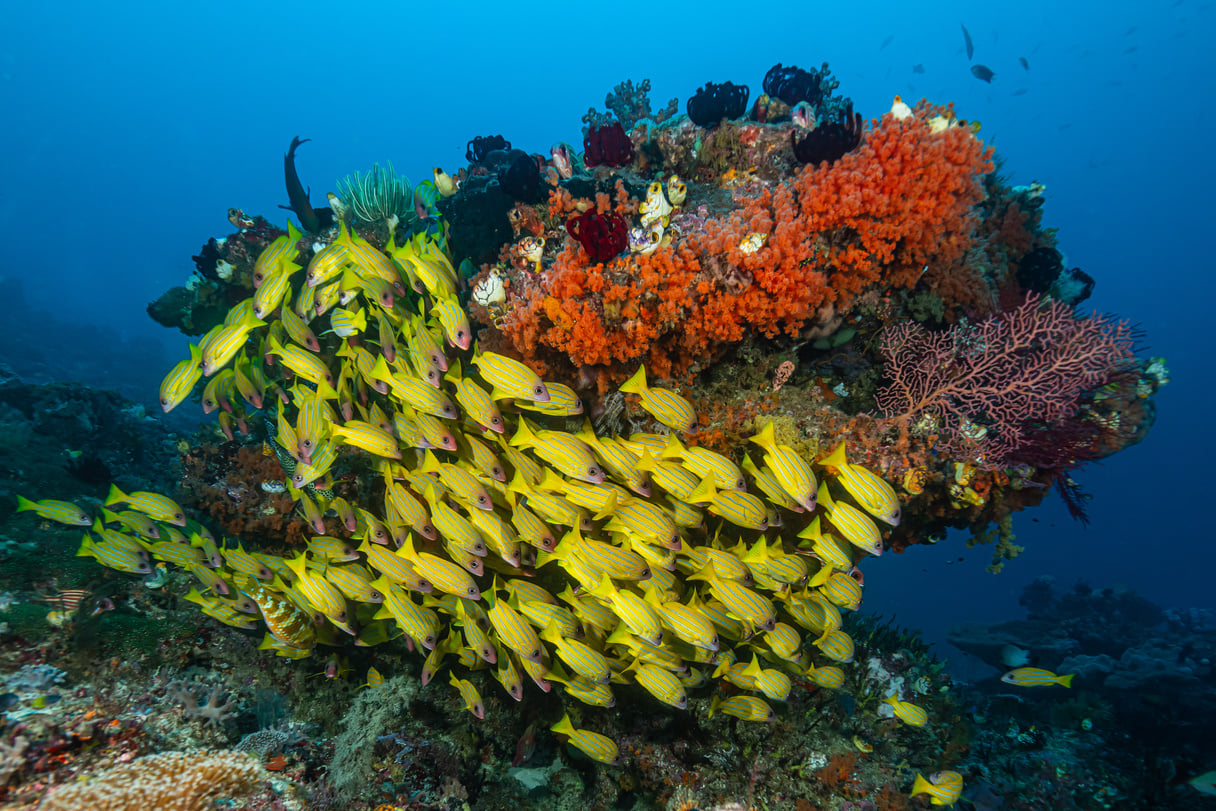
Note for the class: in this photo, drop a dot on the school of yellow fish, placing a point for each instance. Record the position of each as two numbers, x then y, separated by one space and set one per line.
501 542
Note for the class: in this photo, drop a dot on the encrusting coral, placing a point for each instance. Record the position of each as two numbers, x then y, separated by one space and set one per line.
170 781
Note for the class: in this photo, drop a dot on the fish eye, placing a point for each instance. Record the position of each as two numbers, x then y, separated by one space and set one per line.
538 389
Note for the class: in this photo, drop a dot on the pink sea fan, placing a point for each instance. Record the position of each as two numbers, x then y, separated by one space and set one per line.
984 383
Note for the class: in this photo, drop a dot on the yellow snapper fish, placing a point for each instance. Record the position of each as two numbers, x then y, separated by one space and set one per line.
346 323
829 677
221 344
64 512
155 505
510 378
854 525
180 381
943 788
563 401
477 403
278 257
827 548
454 322
592 744
470 696
736 506
753 608
584 660
706 464
791 470
872 492
907 712
1036 677
566 452
660 683
663 404
749 708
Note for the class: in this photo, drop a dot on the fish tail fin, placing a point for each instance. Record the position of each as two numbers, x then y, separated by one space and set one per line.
713 706
86 547
523 435
836 458
636 384
550 633
674 448
604 590
24 504
587 434
1066 680
920 786
116 496
563 727
824 497
765 438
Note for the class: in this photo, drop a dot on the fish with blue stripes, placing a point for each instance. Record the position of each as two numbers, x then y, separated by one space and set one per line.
592 744
661 403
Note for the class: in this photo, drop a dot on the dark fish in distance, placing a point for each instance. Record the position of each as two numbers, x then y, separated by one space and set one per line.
982 72
1025 64
297 195
918 68
1021 91
967 40
890 38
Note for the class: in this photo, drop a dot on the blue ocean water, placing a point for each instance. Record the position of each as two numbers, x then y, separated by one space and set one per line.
130 129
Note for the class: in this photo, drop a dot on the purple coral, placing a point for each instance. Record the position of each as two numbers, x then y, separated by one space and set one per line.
607 144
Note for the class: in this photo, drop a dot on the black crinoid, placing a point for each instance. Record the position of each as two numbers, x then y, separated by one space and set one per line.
714 102
520 178
793 84
483 145
830 140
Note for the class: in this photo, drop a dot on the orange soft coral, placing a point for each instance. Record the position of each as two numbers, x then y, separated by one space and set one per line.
880 216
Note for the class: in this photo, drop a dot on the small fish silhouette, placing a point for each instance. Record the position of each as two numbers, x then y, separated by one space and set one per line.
982 72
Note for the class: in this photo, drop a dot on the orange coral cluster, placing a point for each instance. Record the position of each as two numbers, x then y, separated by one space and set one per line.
224 483
878 217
